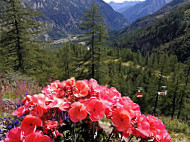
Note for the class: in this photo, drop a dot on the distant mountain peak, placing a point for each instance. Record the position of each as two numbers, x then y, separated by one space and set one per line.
144 8
122 6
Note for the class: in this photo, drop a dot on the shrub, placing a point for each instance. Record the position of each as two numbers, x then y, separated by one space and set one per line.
13 91
175 125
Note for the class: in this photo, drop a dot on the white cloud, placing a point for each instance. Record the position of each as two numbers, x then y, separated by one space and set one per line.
119 1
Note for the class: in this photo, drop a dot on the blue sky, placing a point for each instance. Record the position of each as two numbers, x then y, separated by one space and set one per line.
119 1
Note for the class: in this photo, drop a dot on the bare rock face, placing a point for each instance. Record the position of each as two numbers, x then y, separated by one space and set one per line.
62 16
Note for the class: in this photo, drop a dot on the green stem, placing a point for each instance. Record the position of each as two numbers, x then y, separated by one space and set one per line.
74 135
110 135
93 129
130 138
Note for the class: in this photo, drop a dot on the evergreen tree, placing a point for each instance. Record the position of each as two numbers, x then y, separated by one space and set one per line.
95 33
19 32
67 61
184 98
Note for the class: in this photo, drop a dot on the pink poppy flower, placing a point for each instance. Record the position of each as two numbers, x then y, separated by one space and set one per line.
113 93
96 109
93 84
81 89
94 87
129 106
155 123
121 119
37 137
165 138
143 126
55 84
77 112
157 128
14 135
62 104
30 123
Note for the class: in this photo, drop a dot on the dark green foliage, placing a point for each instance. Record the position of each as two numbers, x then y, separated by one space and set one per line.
174 125
93 25
170 34
18 35
141 22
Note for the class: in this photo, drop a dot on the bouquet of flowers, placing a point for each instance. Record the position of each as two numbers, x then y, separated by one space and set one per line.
70 111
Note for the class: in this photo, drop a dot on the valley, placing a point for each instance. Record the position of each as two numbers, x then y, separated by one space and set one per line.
60 58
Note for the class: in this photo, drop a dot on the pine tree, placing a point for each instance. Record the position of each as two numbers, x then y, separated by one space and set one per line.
95 33
185 91
19 32
67 61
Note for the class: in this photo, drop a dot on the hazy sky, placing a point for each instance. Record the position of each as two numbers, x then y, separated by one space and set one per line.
118 1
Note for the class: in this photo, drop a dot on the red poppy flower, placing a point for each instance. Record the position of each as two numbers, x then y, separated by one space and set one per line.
27 99
121 119
96 109
70 82
37 137
81 89
37 111
19 111
55 84
50 125
14 135
77 112
30 123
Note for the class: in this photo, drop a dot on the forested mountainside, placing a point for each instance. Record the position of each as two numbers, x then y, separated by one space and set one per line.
63 16
153 17
169 34
143 9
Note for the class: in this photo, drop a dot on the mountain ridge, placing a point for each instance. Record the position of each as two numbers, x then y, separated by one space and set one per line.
144 8
121 7
143 21
62 17
169 34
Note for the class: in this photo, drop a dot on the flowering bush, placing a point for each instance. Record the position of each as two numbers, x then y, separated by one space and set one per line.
49 116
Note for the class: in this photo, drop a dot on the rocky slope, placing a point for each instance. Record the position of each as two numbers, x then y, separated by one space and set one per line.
62 16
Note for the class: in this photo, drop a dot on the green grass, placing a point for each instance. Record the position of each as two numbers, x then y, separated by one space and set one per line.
179 130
